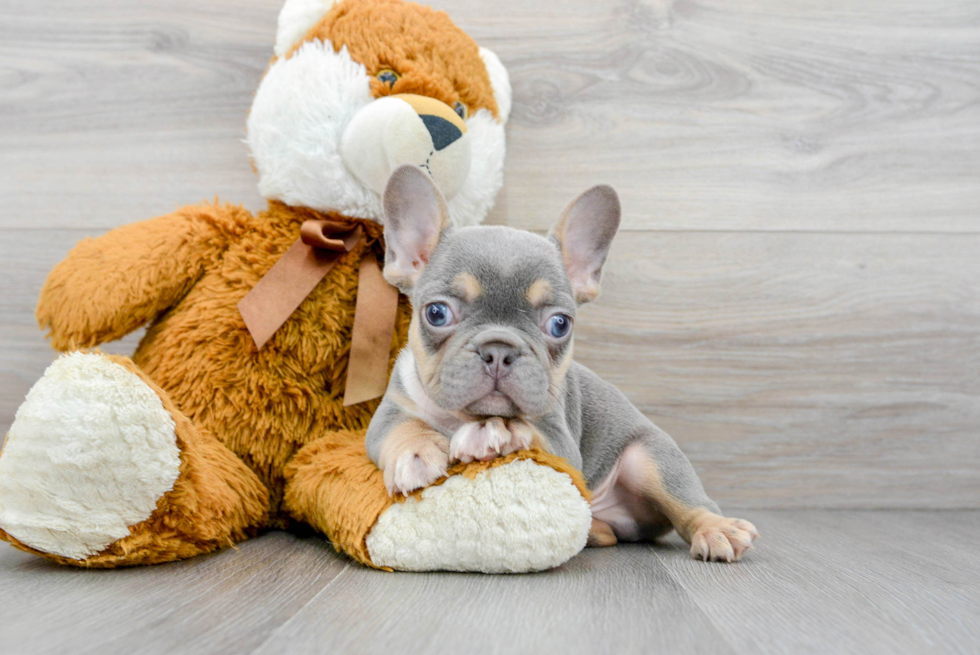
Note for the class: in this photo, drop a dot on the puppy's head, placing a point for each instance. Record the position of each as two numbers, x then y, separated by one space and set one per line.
494 307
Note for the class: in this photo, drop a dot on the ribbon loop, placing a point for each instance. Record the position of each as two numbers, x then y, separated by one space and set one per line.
330 235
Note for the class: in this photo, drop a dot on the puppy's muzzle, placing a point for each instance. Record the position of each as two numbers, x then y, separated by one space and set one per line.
499 351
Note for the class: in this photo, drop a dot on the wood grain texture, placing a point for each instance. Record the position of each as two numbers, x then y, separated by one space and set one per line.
819 370
758 115
755 115
119 110
228 602
817 582
845 582
822 370
558 611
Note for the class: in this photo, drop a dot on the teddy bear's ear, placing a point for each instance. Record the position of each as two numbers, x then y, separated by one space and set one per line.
499 80
295 19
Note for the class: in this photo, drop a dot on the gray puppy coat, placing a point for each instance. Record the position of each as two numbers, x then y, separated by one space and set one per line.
489 370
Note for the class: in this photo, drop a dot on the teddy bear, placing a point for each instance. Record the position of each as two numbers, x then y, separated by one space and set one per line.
270 335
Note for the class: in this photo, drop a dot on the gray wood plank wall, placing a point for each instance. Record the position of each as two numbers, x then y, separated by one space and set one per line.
794 297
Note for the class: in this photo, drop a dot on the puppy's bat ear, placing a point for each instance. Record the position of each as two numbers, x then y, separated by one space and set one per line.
415 216
584 232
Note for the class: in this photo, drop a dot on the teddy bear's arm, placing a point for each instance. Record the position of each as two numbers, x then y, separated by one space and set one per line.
111 285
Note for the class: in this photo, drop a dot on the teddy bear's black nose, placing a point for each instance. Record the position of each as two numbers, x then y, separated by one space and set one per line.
442 131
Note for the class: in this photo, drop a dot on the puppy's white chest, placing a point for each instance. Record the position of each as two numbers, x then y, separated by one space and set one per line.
425 408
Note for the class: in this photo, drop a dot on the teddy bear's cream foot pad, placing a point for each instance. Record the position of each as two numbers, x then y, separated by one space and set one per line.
90 452
515 518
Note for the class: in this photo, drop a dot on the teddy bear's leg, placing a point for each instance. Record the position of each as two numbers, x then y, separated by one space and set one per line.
100 469
527 511
333 486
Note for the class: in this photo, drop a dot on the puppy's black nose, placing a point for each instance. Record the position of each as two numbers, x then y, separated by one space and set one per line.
499 358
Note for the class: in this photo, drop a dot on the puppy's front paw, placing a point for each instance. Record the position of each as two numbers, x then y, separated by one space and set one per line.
494 437
478 441
521 436
416 466
720 539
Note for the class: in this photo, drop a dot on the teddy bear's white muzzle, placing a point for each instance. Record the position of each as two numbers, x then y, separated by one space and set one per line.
390 132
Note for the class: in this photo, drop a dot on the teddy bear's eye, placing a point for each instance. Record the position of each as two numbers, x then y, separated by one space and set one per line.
460 109
388 76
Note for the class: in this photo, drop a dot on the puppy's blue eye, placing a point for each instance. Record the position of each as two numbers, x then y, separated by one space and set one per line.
438 314
559 325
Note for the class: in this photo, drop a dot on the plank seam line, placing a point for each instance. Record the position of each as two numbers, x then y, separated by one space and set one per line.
282 625
694 599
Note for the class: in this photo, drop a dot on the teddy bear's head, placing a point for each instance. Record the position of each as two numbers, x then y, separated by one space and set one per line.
360 87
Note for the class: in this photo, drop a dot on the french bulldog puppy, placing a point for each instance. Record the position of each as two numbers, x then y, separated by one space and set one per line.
488 369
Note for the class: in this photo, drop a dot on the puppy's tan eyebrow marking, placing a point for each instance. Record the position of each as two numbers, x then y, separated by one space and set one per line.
539 292
468 286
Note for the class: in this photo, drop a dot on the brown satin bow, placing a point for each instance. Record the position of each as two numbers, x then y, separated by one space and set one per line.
291 279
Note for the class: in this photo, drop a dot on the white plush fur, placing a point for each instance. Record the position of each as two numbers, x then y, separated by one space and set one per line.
516 518
365 143
487 148
294 130
298 119
89 454
388 133
499 81
295 19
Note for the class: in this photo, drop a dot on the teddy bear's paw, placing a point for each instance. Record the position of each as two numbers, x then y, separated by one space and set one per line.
721 539
516 517
416 468
482 441
91 451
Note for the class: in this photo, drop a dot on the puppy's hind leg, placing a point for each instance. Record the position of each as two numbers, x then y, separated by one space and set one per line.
654 468
601 535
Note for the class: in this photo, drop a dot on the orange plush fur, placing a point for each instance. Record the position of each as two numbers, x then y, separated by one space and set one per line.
433 57
263 436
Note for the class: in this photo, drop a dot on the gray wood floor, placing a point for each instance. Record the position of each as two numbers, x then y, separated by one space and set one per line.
819 581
